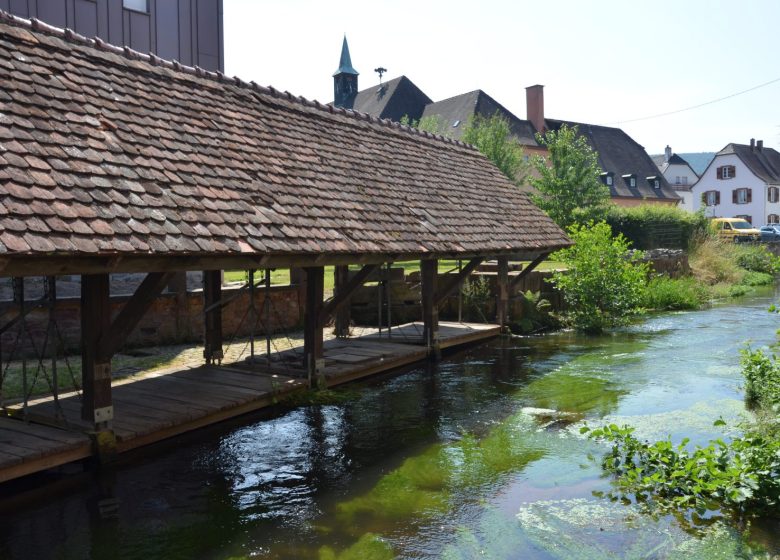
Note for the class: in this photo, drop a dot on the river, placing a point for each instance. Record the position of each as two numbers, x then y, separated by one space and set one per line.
459 460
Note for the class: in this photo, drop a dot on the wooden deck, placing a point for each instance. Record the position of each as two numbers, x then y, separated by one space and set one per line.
156 406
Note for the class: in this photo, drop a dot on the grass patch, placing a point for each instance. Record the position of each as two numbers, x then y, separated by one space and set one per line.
664 293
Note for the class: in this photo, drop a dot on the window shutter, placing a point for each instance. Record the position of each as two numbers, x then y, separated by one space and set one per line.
750 195
732 171
734 196
717 198
704 198
720 173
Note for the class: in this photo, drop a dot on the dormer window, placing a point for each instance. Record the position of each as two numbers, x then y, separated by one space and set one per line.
607 178
630 180
654 181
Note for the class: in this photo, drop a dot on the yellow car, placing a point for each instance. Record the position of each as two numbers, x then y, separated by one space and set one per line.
737 230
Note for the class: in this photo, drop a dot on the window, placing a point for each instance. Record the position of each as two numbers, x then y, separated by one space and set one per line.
773 194
606 178
630 180
745 217
773 219
677 180
685 180
654 181
741 196
710 198
136 5
726 172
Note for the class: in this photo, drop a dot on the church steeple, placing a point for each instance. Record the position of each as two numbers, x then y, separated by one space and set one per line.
345 80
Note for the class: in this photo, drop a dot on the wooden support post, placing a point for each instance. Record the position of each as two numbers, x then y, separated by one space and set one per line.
313 356
298 279
429 272
454 281
343 316
341 298
178 285
212 322
96 405
526 271
502 303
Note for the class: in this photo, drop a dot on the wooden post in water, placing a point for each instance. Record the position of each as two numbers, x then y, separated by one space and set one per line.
96 402
313 356
429 271
502 305
340 279
212 322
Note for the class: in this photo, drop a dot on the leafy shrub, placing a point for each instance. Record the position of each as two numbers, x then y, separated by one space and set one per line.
476 293
603 284
757 258
675 293
752 278
650 226
762 378
534 314
742 476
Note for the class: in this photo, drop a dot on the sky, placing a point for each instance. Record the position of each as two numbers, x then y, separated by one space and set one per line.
601 61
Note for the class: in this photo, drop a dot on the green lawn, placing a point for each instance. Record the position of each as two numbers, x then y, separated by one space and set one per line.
281 277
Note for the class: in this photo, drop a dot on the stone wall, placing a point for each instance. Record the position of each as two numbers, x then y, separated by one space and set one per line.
171 319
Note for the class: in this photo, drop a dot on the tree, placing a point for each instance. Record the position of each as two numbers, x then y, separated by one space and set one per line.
492 137
603 283
569 187
429 123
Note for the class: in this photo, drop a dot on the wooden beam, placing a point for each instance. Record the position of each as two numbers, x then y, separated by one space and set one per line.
456 280
313 355
429 272
66 264
342 313
527 270
212 294
502 284
112 339
341 297
96 403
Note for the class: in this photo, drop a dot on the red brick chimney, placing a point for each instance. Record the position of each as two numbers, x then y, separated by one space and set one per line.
534 107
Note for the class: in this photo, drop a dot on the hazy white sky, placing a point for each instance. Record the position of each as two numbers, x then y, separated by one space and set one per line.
601 61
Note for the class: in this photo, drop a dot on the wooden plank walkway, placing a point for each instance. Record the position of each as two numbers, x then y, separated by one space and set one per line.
156 406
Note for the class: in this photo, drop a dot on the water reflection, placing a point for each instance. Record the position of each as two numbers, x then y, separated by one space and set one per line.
435 461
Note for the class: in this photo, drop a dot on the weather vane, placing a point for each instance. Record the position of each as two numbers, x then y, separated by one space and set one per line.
380 71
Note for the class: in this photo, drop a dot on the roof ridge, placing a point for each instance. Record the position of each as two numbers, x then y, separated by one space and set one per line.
99 44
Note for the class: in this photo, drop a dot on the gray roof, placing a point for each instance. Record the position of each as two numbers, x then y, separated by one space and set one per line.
461 108
621 155
764 163
392 100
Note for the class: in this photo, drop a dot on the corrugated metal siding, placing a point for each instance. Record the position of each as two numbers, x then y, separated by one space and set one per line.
189 31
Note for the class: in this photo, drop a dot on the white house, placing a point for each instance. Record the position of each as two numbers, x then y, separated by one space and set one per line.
742 181
679 174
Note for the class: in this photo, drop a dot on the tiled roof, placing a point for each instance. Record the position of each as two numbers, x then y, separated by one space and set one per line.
104 151
764 162
621 155
461 108
392 100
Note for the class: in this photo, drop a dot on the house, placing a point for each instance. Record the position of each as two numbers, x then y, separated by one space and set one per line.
742 181
189 31
679 174
628 170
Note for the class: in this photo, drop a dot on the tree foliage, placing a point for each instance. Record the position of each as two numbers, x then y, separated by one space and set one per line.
569 188
429 123
492 137
604 283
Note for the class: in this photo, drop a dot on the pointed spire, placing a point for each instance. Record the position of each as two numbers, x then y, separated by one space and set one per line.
345 63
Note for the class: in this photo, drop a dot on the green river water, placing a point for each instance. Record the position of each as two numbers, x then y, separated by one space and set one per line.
479 456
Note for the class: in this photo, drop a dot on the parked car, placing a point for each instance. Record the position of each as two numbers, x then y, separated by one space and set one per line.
770 232
737 230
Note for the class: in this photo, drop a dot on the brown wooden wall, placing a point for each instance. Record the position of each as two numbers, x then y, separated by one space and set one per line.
189 31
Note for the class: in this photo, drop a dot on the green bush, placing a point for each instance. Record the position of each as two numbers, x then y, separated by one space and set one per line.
604 283
757 258
675 293
742 477
652 226
762 378
534 316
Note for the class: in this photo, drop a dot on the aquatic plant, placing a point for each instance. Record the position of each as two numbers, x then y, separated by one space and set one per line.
741 477
368 547
674 293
